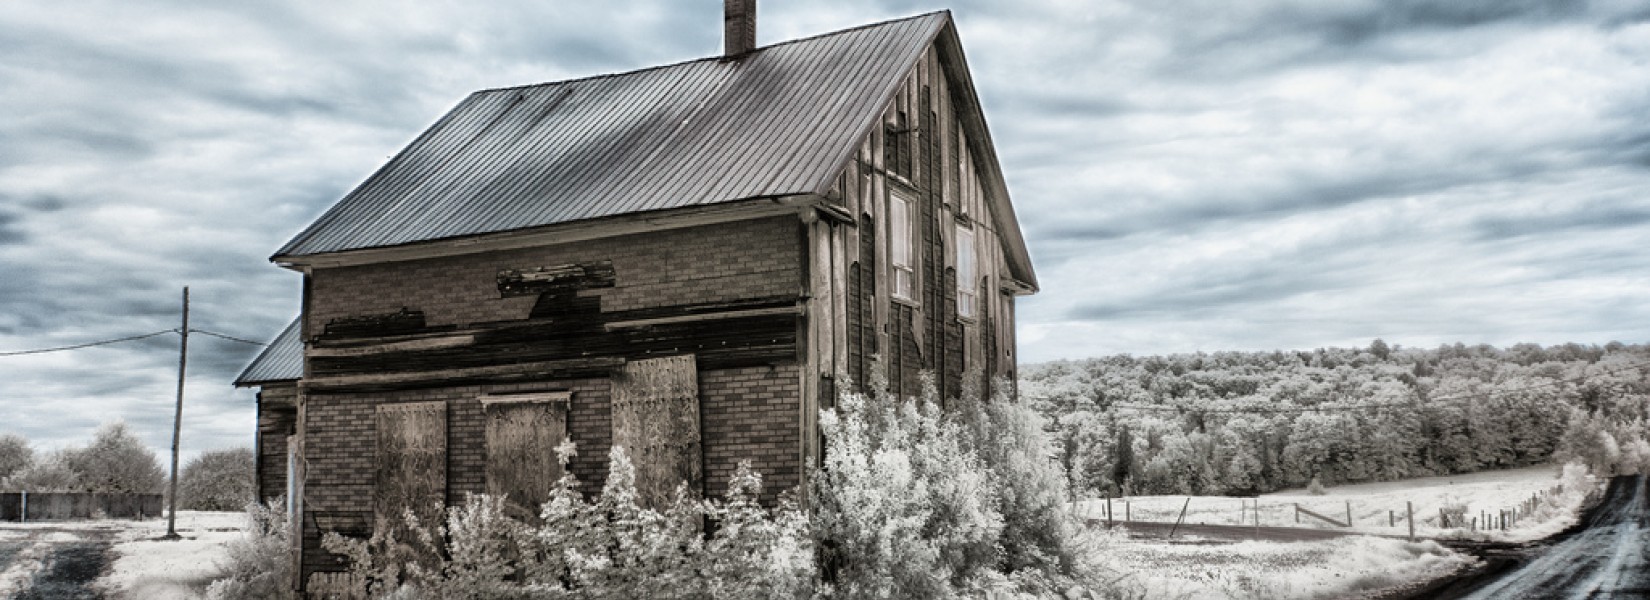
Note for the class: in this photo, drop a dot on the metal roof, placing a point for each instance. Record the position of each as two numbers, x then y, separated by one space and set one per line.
774 122
282 360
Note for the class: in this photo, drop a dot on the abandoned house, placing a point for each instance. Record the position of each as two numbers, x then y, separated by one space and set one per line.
687 260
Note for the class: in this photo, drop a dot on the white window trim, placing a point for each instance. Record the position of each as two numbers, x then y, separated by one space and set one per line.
895 241
968 283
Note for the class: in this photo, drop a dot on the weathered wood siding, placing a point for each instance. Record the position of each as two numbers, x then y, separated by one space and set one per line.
922 150
277 419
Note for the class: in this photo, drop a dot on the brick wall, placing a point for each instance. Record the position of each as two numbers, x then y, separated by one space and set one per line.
749 413
712 263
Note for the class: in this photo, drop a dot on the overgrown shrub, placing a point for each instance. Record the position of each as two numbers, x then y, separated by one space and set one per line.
217 480
915 501
608 547
904 506
258 566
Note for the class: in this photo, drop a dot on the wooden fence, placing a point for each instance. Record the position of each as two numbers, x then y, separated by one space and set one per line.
59 506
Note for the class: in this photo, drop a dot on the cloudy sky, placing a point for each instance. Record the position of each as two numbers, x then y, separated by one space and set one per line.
1191 175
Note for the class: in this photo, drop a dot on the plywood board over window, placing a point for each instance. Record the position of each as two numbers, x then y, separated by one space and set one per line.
412 464
656 420
523 431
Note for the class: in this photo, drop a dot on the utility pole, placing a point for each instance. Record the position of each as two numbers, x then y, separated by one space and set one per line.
177 421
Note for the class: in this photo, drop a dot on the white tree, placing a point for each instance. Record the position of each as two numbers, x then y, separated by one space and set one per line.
116 462
51 473
15 454
217 480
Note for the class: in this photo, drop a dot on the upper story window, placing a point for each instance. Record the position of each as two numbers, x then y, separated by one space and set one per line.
901 245
967 274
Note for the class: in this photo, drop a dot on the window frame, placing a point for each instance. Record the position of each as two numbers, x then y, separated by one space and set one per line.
967 284
900 236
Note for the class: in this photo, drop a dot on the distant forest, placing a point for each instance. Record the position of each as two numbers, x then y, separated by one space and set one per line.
1239 423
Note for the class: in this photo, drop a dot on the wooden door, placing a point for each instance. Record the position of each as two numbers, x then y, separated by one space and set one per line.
412 465
656 420
523 431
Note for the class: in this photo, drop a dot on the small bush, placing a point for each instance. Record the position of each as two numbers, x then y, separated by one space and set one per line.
1315 487
258 566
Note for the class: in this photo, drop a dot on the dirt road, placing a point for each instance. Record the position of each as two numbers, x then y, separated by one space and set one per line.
54 564
1608 558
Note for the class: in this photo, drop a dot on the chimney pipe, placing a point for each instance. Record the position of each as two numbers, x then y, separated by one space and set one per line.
738 27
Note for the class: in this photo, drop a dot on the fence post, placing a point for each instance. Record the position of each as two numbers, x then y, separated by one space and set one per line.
1391 518
1108 512
23 515
1126 515
1182 516
1297 513
1348 513
1410 508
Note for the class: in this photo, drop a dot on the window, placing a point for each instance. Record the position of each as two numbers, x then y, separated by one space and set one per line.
900 246
967 274
522 433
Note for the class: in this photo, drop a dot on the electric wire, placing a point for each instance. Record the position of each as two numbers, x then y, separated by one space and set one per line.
227 337
88 344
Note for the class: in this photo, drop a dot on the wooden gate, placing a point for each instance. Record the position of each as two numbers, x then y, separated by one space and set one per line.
412 465
656 420
523 431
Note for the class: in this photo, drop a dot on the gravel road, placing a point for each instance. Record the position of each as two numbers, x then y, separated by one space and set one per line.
1608 558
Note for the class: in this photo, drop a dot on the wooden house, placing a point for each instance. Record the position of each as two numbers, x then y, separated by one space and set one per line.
687 260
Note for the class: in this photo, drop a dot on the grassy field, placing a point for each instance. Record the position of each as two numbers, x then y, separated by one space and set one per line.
1371 505
1356 566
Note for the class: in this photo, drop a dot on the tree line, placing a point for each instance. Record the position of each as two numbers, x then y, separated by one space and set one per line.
115 461
1238 423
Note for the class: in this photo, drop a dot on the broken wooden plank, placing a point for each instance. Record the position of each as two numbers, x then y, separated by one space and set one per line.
346 381
430 343
699 317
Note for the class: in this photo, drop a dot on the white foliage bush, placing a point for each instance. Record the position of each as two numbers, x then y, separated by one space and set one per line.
918 502
608 547
258 566
904 506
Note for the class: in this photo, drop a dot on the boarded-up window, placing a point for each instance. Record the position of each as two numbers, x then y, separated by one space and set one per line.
523 431
412 464
656 420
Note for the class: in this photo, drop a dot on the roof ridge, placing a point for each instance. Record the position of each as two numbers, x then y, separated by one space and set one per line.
810 38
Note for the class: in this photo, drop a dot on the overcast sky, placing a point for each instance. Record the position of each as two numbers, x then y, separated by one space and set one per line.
1191 175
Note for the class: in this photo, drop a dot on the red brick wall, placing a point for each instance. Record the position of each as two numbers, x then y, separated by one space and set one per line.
712 263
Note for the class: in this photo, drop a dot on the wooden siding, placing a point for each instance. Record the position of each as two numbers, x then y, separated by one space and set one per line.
928 156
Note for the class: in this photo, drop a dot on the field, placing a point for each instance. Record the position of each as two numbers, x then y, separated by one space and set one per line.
1372 504
1353 566
115 558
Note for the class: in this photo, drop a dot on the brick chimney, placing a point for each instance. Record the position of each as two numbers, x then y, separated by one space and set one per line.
738 27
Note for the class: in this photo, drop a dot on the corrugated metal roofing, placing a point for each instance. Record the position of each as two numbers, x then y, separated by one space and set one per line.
770 123
282 360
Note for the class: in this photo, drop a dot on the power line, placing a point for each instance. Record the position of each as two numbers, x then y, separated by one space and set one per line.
1371 406
130 339
227 337
88 344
